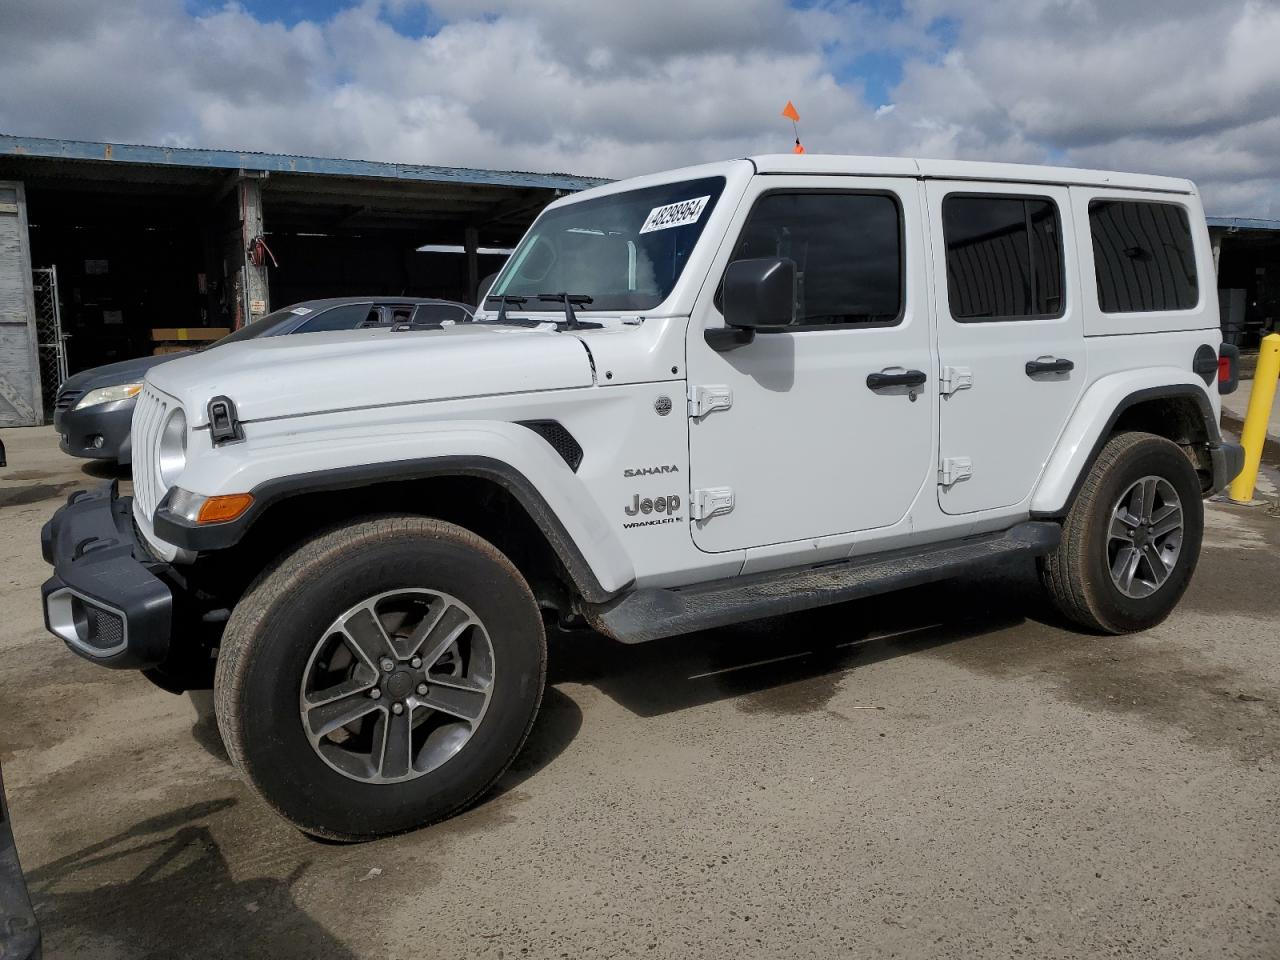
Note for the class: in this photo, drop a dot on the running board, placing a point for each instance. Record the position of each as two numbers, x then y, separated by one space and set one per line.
653 613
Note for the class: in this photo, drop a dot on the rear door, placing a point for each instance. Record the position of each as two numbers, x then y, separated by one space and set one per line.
1010 337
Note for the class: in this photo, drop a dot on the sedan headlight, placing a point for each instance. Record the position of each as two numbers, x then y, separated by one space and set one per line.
171 452
120 391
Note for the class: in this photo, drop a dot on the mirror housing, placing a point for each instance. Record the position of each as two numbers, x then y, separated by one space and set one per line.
760 295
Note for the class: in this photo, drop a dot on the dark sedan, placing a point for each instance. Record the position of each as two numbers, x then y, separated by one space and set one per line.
94 409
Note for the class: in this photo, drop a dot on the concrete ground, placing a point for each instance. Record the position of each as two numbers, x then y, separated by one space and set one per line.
1236 405
943 773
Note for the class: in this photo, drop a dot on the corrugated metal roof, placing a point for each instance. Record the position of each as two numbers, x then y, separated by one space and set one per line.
42 147
1243 223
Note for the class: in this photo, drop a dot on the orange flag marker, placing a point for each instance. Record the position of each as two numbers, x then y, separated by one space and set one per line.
792 114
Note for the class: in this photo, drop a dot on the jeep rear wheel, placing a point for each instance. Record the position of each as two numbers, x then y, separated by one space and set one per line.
1131 539
381 677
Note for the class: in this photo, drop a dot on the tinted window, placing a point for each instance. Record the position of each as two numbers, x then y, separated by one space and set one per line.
348 316
847 249
436 312
1143 256
260 328
1004 257
625 250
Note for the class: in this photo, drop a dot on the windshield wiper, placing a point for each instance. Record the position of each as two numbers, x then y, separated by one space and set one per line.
503 299
568 299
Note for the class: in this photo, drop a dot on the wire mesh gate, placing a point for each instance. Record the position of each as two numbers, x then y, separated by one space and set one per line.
51 341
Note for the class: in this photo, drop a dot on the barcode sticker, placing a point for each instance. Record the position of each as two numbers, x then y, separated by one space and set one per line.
674 214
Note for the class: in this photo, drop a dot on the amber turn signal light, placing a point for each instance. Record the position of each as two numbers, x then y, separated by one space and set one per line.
225 508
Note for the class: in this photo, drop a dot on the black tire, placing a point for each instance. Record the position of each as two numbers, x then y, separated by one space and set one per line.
1077 574
274 628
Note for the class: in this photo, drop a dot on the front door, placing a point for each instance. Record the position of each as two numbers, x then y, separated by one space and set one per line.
799 431
1010 341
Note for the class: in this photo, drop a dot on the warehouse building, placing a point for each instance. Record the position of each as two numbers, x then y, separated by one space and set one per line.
108 250
1247 254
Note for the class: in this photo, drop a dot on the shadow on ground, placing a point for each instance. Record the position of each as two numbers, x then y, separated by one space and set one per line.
794 663
163 888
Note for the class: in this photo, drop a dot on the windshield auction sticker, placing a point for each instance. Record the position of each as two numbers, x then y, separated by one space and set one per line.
674 215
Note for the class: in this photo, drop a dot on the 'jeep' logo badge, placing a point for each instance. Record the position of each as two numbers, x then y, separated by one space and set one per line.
667 505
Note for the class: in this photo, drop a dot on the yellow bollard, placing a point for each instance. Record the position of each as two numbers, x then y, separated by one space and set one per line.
1254 434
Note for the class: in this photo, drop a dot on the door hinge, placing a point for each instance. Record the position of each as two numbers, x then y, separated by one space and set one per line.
702 400
710 502
954 469
954 378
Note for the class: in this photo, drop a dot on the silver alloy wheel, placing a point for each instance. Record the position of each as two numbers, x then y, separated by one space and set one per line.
397 685
1145 537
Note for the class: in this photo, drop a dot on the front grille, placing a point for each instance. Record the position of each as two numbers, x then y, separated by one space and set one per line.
67 399
148 418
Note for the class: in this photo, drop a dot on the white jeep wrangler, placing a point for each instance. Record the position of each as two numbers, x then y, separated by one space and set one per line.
692 399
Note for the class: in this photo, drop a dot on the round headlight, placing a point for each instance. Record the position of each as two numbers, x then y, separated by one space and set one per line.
171 455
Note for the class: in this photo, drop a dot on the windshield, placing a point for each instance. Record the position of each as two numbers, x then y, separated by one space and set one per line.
259 328
625 251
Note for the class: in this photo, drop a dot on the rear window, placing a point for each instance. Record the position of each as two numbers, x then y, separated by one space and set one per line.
1004 257
1143 256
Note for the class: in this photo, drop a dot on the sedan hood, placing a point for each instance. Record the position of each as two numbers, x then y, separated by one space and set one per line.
276 377
114 374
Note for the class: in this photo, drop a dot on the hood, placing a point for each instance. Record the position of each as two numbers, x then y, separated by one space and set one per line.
112 374
275 377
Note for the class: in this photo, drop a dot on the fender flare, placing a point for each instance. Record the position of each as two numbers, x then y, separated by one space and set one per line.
575 528
1089 427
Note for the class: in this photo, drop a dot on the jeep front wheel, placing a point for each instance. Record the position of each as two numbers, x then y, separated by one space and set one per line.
380 677
1131 539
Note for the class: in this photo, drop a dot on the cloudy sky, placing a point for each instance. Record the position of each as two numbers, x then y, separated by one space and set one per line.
616 87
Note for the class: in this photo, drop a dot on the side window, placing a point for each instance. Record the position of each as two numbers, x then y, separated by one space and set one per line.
400 313
1143 256
847 248
436 312
347 316
1004 257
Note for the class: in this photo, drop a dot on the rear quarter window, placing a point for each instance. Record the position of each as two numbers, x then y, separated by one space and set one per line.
1143 256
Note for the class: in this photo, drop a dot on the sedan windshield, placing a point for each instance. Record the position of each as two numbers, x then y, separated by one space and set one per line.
625 251
259 328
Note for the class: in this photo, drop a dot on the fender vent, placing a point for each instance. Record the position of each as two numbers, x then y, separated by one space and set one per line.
561 440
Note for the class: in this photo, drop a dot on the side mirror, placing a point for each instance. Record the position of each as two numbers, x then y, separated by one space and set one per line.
760 294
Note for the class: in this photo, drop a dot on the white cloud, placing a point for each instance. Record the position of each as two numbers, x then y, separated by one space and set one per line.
614 88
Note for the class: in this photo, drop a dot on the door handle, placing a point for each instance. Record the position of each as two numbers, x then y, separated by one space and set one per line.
908 378
1052 365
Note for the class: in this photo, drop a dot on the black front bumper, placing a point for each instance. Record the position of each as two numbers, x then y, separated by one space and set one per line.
107 599
100 432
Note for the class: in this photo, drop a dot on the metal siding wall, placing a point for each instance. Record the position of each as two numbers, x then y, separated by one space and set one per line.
20 402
